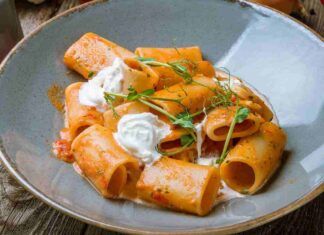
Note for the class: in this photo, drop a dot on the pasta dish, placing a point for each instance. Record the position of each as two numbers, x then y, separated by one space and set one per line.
164 127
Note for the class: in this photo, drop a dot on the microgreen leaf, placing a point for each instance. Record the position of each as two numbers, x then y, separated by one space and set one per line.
134 95
171 153
181 70
186 140
184 120
148 92
184 115
177 66
131 89
242 114
90 74
109 98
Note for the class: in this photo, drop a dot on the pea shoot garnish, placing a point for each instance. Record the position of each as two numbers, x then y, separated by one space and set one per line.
184 120
185 141
241 114
179 67
134 95
223 97
110 99
90 74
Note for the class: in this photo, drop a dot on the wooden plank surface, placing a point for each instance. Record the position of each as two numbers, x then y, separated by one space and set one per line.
21 213
315 18
32 15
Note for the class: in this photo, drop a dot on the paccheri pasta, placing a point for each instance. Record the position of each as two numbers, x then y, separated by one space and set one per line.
162 125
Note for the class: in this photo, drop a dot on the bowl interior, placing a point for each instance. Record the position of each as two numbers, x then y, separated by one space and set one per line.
280 58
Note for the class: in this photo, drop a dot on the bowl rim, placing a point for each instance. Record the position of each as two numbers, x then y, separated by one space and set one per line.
235 228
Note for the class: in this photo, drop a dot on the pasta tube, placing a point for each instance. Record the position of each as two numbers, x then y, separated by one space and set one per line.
91 53
103 161
205 68
252 101
219 120
172 141
111 120
188 155
170 54
168 77
250 164
194 97
246 95
139 76
180 185
78 116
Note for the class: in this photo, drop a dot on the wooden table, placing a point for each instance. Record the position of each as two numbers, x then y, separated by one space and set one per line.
21 213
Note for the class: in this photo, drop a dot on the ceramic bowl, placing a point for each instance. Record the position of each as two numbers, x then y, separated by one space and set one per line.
278 56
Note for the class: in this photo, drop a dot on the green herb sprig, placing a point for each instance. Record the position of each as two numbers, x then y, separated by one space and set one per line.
134 95
223 97
110 99
144 97
184 120
90 74
177 66
185 140
241 114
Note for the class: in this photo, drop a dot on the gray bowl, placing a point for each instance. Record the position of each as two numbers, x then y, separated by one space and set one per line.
278 56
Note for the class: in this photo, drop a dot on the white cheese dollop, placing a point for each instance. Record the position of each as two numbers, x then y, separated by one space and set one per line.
199 133
139 134
206 161
108 79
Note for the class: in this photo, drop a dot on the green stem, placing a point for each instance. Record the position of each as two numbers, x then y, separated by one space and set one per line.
228 138
192 133
173 118
156 63
202 111
117 95
163 99
205 109
157 108
203 85
175 151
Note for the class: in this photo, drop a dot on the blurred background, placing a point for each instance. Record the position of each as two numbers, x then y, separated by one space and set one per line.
310 12
32 13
